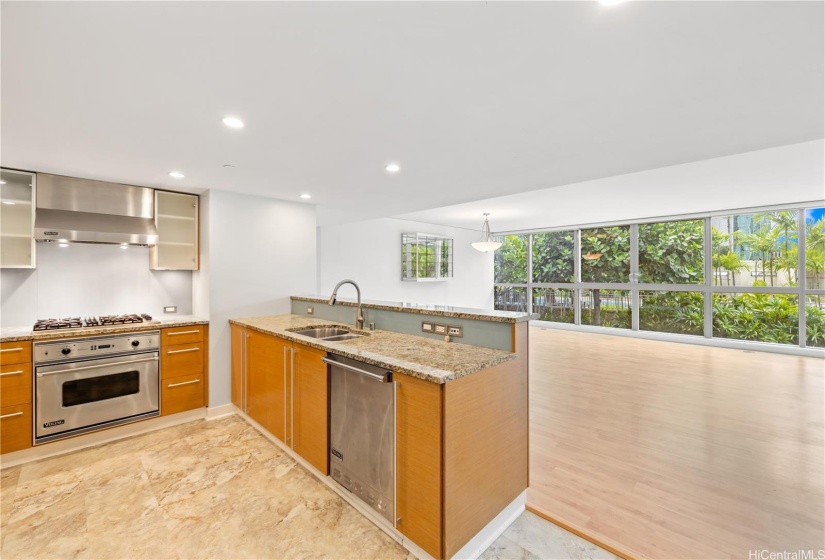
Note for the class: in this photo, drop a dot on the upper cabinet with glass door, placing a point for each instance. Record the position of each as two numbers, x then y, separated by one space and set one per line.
176 217
17 191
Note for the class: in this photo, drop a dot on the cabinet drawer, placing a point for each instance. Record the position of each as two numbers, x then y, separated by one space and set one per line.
181 359
15 427
181 393
15 384
15 352
181 335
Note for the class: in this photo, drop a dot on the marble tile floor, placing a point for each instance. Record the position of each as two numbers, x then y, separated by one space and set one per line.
208 489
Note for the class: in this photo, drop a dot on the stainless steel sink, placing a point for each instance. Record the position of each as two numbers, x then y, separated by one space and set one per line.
322 332
348 336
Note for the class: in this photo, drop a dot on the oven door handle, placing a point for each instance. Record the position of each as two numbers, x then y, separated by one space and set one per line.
71 370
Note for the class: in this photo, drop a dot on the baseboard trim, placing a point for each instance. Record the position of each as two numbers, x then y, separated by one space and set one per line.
222 411
76 443
613 548
493 530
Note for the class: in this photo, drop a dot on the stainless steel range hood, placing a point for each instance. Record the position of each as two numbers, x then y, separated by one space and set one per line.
86 211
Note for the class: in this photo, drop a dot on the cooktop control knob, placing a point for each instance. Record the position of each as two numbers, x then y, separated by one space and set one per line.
135 343
66 350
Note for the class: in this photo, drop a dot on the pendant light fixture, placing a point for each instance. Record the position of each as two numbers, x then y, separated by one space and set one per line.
487 242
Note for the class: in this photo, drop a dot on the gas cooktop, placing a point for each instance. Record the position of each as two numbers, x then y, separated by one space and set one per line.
101 321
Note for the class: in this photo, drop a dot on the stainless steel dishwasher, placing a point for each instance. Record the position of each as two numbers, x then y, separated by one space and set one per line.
362 432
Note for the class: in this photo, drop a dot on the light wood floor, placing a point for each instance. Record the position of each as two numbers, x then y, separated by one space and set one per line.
664 450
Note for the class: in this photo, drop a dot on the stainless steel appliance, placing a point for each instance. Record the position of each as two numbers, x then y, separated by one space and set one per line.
77 322
85 211
362 432
85 384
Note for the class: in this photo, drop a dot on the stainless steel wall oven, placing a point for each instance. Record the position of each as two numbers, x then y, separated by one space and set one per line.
85 384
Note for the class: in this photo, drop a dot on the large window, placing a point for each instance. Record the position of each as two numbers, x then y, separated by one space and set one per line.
672 252
735 276
605 254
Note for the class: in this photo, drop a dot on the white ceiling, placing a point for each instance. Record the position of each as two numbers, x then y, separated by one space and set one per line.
473 100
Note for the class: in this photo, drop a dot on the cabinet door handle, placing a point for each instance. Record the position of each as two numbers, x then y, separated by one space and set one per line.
11 415
4 350
18 372
183 332
182 383
182 351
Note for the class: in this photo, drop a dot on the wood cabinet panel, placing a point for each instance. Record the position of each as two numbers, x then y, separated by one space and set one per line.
266 389
15 427
15 384
15 352
181 393
485 449
182 359
239 366
419 461
310 411
181 335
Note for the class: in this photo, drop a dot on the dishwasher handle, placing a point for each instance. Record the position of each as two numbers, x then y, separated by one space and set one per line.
386 377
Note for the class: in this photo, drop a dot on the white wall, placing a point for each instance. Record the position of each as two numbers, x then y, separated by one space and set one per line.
200 278
87 280
369 252
783 175
261 251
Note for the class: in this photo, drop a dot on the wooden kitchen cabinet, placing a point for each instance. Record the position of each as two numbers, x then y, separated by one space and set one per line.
15 396
184 369
176 219
461 452
15 427
266 385
239 337
418 461
283 386
310 395
17 194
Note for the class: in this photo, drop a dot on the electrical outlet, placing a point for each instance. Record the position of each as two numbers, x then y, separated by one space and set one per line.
440 329
426 327
310 310
456 331
170 309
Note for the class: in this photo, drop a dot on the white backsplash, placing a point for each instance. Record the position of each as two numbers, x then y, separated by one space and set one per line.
87 280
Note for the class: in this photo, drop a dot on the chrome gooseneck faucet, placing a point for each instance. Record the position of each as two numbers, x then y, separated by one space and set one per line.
359 317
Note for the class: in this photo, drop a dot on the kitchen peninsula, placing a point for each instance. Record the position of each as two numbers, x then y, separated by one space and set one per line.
461 454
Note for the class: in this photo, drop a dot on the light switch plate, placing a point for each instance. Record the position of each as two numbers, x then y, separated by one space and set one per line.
310 310
456 331
170 309
440 329
426 327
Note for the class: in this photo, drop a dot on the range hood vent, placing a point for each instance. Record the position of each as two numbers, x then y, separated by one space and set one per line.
85 211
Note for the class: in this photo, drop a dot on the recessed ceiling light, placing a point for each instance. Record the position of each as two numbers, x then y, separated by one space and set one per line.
232 122
610 2
393 167
306 196
176 174
9 202
62 244
124 245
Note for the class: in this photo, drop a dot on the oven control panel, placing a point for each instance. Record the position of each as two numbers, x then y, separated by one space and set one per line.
87 347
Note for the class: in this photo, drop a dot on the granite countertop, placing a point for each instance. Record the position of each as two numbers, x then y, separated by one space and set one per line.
440 310
432 360
11 334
